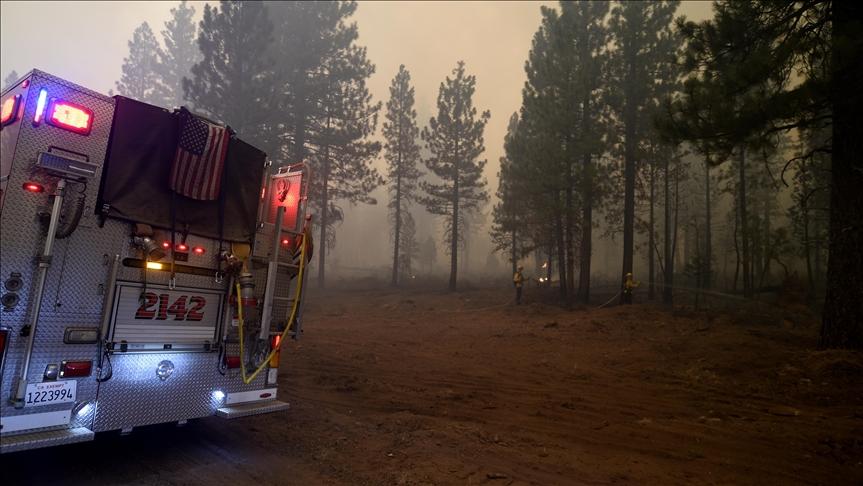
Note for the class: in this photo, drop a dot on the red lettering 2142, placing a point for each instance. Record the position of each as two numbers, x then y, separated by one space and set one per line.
156 307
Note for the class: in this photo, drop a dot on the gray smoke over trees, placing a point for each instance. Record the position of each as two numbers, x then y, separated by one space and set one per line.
325 111
140 78
741 90
455 140
180 53
229 84
10 78
641 32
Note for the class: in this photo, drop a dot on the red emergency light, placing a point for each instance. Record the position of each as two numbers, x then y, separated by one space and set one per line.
33 187
285 192
232 362
75 369
9 110
4 340
69 116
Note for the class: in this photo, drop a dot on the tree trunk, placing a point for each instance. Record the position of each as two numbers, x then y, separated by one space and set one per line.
586 233
570 250
322 249
561 254
398 228
453 267
514 258
737 262
708 251
300 127
842 317
630 144
651 240
744 226
668 276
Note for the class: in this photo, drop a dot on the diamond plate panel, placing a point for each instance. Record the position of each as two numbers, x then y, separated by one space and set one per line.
23 238
137 396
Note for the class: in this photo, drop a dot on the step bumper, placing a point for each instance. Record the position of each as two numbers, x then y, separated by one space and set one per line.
49 438
251 408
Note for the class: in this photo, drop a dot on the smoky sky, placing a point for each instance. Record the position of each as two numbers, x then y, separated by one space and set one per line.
86 42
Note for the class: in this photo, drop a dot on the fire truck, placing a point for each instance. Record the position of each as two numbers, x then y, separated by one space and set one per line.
124 302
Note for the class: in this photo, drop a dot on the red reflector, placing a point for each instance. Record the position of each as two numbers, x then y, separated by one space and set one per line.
4 335
198 250
72 369
9 110
33 187
182 247
70 116
232 362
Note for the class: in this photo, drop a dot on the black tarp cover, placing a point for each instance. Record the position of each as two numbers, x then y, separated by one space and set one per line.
134 184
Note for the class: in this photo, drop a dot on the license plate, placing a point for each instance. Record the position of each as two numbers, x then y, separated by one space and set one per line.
50 393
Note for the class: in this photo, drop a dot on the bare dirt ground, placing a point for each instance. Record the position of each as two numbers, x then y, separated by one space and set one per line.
435 388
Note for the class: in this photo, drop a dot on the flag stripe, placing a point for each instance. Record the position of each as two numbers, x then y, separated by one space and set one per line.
200 158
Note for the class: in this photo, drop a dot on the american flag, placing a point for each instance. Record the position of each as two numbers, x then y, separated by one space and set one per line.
200 158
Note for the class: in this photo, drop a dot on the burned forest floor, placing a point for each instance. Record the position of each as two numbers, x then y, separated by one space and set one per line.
414 388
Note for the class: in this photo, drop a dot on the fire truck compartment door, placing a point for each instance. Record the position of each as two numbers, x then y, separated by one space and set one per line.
181 319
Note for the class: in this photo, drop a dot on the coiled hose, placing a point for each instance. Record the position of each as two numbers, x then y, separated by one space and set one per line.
66 228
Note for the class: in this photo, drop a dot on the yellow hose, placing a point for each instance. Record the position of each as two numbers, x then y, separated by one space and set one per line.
246 378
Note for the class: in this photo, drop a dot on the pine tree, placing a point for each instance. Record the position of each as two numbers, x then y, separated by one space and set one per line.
508 232
409 246
10 78
428 254
748 55
181 52
140 78
641 32
455 139
402 153
326 112
233 80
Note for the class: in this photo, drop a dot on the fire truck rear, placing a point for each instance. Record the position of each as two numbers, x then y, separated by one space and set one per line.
126 301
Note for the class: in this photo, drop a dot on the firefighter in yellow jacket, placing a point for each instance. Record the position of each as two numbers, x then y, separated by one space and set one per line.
518 281
629 284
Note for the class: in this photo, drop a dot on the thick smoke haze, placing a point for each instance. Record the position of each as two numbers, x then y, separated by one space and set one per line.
493 38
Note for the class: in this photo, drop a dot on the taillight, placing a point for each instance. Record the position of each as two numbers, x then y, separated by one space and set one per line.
4 338
276 342
70 116
9 110
182 247
166 244
198 250
75 369
232 362
33 187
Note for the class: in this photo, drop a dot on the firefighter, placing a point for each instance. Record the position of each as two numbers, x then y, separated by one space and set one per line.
628 285
518 281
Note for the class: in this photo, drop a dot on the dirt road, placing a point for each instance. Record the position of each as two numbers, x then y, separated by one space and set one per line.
410 388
